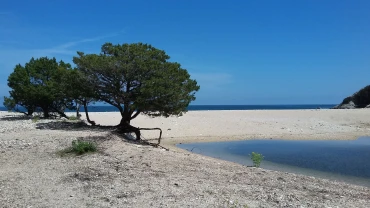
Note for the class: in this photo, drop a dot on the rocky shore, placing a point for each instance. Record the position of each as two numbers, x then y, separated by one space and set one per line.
360 99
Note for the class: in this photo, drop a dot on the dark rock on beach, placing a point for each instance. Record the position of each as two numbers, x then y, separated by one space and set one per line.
360 99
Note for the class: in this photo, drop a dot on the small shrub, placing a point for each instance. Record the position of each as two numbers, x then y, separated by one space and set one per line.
35 119
236 204
73 118
256 158
80 147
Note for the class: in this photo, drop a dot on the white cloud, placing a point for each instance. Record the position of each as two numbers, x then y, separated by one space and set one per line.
12 56
73 43
65 47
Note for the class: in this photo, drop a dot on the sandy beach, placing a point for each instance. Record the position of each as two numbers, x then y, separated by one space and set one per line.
124 174
207 126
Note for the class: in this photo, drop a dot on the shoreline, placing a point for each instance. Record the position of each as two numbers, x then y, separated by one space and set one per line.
221 152
124 174
172 142
232 125
223 107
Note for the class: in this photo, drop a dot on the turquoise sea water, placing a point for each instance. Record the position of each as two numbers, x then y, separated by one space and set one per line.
340 160
222 107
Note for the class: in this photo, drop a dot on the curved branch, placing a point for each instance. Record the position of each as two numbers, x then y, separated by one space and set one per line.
135 115
87 114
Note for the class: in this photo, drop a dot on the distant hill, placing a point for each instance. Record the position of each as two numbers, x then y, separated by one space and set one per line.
360 99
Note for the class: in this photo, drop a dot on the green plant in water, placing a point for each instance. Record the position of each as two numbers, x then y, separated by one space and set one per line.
256 158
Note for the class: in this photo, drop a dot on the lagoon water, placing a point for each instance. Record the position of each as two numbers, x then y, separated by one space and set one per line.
347 161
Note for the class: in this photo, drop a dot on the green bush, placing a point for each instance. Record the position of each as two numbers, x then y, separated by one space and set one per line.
73 118
80 147
256 158
35 119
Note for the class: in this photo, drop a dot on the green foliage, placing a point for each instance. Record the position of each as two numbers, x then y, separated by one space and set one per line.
38 84
137 78
35 119
73 118
9 103
80 147
256 158
77 87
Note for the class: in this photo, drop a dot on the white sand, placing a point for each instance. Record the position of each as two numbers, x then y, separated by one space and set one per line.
122 174
200 126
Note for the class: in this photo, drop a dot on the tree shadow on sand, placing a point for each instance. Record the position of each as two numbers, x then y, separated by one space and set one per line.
82 126
111 130
23 117
128 138
15 118
73 126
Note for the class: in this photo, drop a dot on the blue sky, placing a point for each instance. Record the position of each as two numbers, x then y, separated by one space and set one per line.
240 52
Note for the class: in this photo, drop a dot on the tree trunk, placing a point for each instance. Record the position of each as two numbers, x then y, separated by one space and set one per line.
29 112
62 114
87 114
125 127
46 112
78 111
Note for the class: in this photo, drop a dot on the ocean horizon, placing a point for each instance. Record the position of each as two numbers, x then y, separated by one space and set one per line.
219 107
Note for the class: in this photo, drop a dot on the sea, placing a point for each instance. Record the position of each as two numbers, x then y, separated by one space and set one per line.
221 107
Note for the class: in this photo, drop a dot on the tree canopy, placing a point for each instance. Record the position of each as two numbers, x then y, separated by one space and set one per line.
137 78
38 84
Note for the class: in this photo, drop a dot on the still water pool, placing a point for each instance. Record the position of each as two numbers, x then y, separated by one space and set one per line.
347 161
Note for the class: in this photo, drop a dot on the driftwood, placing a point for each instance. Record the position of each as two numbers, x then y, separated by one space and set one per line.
150 129
142 140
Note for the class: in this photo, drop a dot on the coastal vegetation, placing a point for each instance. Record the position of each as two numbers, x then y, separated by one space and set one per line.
38 85
80 147
256 158
135 78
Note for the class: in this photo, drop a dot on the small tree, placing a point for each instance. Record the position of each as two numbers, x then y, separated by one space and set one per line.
38 84
256 158
137 78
